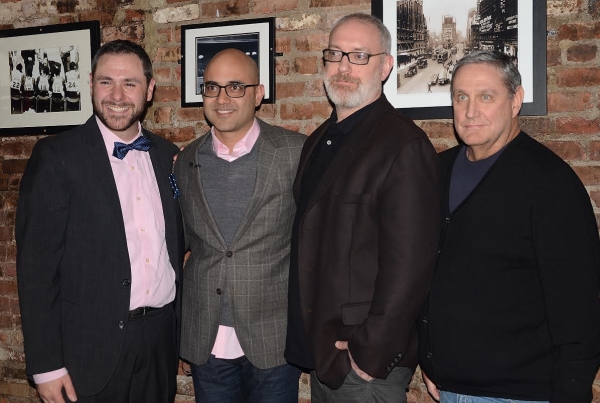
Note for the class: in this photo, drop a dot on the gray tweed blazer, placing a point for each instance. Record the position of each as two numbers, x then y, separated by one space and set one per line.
254 269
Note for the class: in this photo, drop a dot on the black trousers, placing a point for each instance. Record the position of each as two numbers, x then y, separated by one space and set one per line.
147 368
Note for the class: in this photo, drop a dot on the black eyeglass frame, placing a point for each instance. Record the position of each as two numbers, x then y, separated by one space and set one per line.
203 93
347 54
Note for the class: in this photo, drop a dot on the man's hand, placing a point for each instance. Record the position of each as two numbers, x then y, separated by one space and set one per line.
431 388
343 345
51 392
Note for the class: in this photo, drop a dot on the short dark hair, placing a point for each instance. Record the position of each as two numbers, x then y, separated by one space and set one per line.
504 63
122 47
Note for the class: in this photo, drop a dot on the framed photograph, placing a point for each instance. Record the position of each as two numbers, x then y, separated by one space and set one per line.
431 35
200 42
44 77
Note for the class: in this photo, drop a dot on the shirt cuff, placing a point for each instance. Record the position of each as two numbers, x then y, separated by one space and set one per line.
49 376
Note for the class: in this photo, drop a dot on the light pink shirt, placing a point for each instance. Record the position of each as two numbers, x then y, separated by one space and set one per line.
152 276
227 345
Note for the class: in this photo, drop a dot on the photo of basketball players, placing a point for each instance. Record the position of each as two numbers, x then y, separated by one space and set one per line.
44 80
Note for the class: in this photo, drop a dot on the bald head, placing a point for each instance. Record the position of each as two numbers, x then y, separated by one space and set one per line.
237 58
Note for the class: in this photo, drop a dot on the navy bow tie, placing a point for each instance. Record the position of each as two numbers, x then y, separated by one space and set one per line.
141 144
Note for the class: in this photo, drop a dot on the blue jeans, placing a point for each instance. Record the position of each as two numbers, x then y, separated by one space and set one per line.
238 381
449 397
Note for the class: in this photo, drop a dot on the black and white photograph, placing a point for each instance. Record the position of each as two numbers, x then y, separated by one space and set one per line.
44 80
207 47
200 42
44 77
430 36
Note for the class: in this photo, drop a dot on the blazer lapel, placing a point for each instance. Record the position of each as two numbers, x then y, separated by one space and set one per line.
199 201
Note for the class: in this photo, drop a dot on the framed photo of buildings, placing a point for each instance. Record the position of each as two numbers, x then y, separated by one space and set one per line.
44 77
429 36
200 42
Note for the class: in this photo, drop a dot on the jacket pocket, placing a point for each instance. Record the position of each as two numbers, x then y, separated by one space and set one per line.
355 313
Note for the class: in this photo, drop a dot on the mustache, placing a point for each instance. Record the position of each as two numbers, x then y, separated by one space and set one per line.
346 78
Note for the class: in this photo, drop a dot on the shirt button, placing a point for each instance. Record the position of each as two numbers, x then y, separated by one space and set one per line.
132 168
126 282
447 220
147 291
147 260
328 142
229 253
143 229
218 291
138 198
121 325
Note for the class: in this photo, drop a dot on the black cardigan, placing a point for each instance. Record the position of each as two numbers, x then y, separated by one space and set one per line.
514 310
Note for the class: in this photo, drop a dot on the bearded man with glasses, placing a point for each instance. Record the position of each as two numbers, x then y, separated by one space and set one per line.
366 229
235 186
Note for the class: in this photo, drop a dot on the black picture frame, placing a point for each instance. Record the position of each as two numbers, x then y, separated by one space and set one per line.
200 42
531 62
48 55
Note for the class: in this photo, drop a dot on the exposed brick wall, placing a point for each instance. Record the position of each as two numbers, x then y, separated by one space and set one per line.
571 128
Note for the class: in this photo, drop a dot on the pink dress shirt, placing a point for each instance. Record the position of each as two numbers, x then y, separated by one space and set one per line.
227 345
152 276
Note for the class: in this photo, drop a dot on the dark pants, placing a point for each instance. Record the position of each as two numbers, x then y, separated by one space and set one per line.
147 369
357 390
238 381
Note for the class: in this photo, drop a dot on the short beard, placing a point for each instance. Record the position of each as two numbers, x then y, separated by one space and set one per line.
122 124
346 99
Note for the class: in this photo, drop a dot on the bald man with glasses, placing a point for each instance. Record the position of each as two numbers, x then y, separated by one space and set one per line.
235 186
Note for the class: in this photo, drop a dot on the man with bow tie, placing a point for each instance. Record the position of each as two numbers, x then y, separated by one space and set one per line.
100 248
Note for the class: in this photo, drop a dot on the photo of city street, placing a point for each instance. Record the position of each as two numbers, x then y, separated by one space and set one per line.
432 35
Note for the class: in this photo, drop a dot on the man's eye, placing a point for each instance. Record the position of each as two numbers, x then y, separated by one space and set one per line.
210 88
361 56
235 87
486 97
334 53
461 97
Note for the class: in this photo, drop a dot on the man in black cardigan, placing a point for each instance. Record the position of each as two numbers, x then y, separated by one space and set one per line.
514 311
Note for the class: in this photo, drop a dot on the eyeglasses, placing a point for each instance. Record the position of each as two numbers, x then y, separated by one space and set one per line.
234 90
360 58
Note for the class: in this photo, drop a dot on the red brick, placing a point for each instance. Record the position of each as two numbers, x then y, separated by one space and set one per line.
567 150
134 33
225 8
595 196
165 35
163 115
167 55
302 111
437 129
535 124
66 6
576 32
577 125
8 269
290 90
6 234
177 36
594 151
310 127
106 4
267 111
582 53
589 175
8 288
162 74
283 45
553 55
105 17
273 6
13 166
134 15
177 134
177 72
565 102
312 42
6 322
282 67
579 77
166 94
189 114
306 65
333 3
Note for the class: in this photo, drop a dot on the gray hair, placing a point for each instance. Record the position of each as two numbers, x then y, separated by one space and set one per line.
385 38
510 74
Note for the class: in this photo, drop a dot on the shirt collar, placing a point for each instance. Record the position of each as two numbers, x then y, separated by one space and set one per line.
110 138
243 147
352 121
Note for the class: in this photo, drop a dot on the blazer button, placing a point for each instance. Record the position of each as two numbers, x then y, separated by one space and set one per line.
218 291
229 253
121 325
126 282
